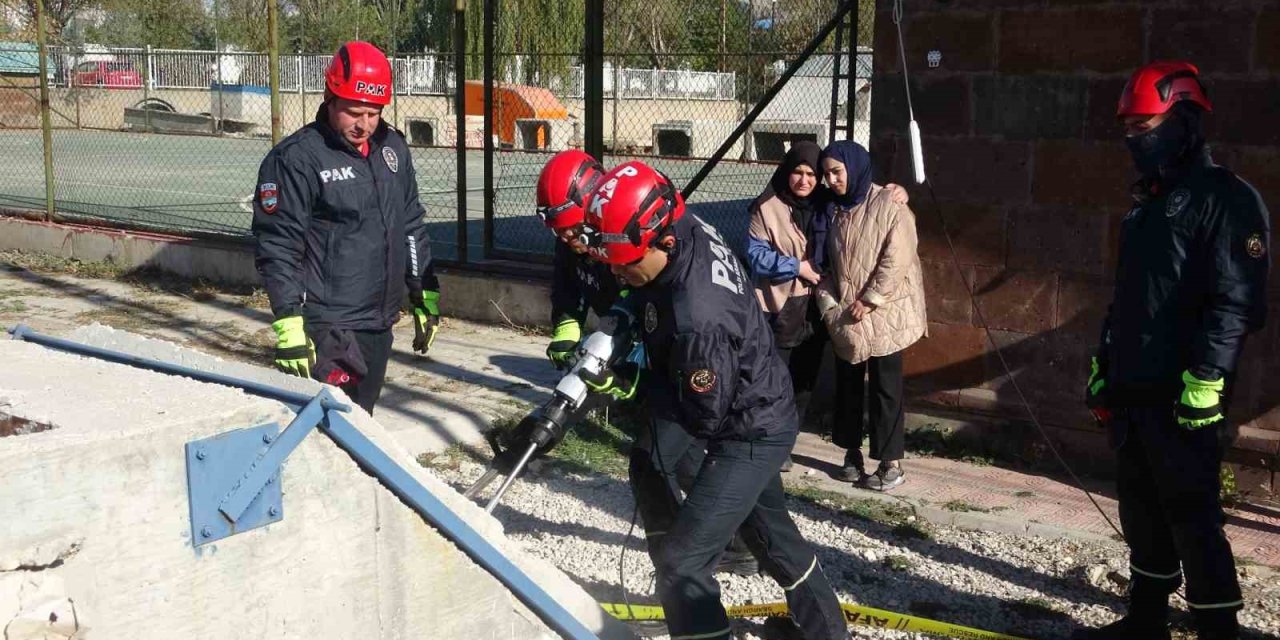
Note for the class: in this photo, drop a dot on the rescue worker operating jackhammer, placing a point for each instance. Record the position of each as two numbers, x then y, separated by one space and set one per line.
1190 284
713 370
340 234
581 284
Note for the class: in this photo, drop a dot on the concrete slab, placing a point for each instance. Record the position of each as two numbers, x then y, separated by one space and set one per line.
99 502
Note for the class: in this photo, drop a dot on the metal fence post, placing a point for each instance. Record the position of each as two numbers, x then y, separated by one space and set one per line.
147 78
593 79
460 117
617 99
69 72
490 199
273 59
302 88
46 128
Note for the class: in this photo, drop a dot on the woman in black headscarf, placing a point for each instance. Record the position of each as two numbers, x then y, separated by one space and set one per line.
785 259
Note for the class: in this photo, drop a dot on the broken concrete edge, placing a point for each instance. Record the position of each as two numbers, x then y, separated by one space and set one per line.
557 584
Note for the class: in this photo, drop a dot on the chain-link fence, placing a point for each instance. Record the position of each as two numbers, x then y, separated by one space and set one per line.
170 140
678 79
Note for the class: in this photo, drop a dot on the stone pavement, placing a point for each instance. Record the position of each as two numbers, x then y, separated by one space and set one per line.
1001 499
477 373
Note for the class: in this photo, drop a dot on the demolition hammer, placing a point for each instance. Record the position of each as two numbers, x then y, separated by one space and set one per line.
545 426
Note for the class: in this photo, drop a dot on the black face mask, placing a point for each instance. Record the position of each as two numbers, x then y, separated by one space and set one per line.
1159 148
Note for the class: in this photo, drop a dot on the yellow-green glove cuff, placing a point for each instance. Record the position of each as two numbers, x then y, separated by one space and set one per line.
567 330
289 332
431 302
1201 402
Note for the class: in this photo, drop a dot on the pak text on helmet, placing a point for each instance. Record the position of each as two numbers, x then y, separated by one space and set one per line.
634 206
564 185
359 71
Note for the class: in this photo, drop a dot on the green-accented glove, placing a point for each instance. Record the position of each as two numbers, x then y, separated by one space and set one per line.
294 352
619 383
1095 392
564 343
1201 402
426 321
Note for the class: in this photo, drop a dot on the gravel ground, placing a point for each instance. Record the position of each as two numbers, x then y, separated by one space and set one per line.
1024 586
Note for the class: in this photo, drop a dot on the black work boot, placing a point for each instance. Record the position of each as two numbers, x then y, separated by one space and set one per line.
1148 619
782 628
1126 628
853 470
740 563
1216 624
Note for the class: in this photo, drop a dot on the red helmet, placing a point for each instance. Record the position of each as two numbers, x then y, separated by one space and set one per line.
360 72
1154 88
634 206
566 181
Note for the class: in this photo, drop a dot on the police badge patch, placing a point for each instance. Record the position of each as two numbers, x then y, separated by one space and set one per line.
702 380
1178 200
393 162
1254 246
650 317
268 197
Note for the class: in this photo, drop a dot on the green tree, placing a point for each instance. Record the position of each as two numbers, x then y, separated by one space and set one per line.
546 35
58 14
173 24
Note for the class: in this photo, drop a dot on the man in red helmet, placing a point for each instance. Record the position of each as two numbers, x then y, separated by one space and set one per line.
581 284
712 369
1190 284
340 234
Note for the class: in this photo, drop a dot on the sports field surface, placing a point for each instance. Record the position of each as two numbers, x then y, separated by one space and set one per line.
204 183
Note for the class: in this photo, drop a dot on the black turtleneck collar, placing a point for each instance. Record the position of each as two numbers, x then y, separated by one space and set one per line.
679 257
1195 163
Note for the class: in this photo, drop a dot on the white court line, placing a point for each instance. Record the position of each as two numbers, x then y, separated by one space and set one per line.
114 186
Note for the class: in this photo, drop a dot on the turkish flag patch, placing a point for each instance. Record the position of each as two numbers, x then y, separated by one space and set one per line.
268 197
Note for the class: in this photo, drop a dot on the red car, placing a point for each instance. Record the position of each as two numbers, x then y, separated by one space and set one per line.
112 75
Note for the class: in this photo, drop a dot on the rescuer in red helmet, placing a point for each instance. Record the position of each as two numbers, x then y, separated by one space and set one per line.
579 284
714 371
1190 284
340 234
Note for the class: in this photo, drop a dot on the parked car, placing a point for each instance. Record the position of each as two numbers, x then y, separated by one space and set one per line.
108 74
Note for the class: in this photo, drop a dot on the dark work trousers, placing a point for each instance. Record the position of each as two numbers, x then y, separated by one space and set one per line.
1168 485
738 485
883 400
375 348
664 463
805 359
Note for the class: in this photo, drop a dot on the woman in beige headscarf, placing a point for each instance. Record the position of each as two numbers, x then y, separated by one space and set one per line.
873 307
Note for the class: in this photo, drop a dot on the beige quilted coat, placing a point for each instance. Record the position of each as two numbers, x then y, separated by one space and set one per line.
871 255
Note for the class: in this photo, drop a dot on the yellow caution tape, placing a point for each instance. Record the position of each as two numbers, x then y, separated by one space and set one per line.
853 614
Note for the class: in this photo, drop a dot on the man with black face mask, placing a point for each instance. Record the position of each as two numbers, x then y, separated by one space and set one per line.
1190 284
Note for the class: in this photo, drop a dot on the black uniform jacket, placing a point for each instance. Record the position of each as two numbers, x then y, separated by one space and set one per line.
711 354
340 236
1190 283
